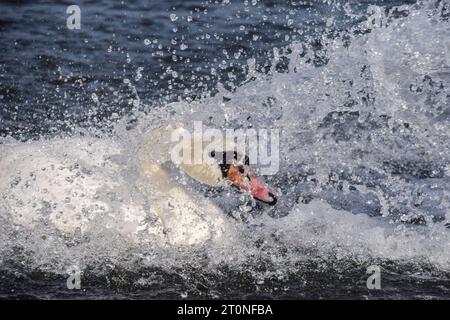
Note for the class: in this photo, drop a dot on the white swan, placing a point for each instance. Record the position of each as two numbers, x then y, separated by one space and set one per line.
75 186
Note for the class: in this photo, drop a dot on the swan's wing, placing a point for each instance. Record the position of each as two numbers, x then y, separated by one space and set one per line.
187 216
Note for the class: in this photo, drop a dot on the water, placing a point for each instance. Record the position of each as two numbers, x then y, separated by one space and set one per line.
360 93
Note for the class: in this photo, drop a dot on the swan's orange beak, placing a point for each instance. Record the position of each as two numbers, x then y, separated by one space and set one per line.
244 178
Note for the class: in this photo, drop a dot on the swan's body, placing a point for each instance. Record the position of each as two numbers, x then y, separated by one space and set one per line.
79 185
76 187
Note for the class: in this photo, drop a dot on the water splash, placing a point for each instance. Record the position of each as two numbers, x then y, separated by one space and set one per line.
364 171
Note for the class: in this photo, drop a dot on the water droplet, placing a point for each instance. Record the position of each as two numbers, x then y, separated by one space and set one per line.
173 17
94 97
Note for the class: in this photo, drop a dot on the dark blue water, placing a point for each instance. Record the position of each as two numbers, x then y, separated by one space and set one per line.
132 56
48 72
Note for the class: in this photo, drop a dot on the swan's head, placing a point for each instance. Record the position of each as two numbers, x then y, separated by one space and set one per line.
243 177
226 164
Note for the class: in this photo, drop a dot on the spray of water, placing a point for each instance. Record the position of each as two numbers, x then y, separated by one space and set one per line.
364 167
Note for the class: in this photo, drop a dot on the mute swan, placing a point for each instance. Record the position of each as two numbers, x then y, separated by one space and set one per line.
156 161
73 185
220 162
